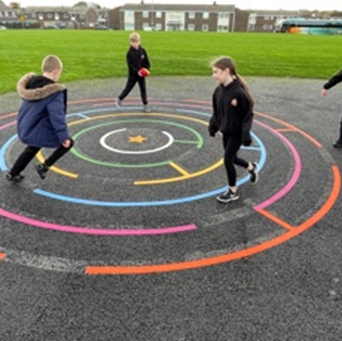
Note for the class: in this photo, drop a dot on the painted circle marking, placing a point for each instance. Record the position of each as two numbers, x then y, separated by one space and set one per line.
131 152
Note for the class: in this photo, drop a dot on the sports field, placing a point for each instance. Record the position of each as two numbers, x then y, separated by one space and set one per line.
101 54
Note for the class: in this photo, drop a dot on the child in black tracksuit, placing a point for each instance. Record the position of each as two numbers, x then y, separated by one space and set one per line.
137 59
332 82
233 117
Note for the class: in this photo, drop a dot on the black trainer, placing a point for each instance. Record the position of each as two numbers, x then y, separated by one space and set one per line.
228 196
254 177
14 178
42 170
338 144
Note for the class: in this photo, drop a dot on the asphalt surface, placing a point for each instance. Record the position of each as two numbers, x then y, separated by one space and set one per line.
125 240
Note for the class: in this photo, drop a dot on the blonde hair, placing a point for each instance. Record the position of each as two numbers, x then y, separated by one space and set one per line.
224 63
134 37
51 63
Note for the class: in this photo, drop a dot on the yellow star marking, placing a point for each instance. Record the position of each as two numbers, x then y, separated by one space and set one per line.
137 139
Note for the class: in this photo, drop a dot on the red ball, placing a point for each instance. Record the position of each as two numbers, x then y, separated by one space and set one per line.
143 72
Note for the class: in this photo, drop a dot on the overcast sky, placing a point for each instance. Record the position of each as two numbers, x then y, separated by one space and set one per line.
243 4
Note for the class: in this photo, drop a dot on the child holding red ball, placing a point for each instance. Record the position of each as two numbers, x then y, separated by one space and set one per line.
138 68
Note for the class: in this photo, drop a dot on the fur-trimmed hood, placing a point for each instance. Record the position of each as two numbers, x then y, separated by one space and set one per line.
37 93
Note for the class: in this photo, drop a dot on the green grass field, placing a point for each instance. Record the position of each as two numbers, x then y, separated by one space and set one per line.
101 54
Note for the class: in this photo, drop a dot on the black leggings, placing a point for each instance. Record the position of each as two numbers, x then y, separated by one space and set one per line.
30 152
131 81
231 145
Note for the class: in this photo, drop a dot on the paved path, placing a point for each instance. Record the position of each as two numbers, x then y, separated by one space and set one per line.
125 241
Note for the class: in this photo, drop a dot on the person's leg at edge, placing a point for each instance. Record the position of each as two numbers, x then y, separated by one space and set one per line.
43 168
250 166
128 88
23 160
231 144
338 143
143 93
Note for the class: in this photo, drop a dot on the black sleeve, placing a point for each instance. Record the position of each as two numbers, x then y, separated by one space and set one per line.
333 81
247 122
213 123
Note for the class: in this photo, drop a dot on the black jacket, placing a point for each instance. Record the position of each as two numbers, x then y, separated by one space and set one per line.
333 81
137 59
232 111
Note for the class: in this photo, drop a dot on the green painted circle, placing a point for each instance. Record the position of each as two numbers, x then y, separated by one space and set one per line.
122 165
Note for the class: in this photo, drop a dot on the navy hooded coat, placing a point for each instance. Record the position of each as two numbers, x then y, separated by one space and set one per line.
41 117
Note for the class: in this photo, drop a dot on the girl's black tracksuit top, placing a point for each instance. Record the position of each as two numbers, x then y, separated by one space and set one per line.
232 111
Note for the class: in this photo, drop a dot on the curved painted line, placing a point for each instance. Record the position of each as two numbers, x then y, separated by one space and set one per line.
295 176
76 200
58 170
199 263
122 165
149 151
3 152
91 231
8 115
261 163
309 137
180 178
134 114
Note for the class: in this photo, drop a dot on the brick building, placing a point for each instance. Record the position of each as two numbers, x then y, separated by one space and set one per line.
70 17
160 17
7 14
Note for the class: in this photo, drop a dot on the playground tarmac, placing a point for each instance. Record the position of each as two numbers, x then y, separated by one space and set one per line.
124 240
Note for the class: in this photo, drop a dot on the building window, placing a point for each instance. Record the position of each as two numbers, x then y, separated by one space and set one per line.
145 14
129 27
222 28
191 15
56 16
40 16
267 27
252 19
205 15
205 27
65 15
49 15
159 14
223 15
159 27
191 27
145 26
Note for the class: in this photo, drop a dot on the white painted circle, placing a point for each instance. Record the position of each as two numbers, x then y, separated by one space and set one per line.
149 151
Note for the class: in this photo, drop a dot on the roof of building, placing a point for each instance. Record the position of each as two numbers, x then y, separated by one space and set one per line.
175 7
56 9
3 6
273 13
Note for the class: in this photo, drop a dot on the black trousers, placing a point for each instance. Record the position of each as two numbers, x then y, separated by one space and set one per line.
231 145
131 81
30 152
